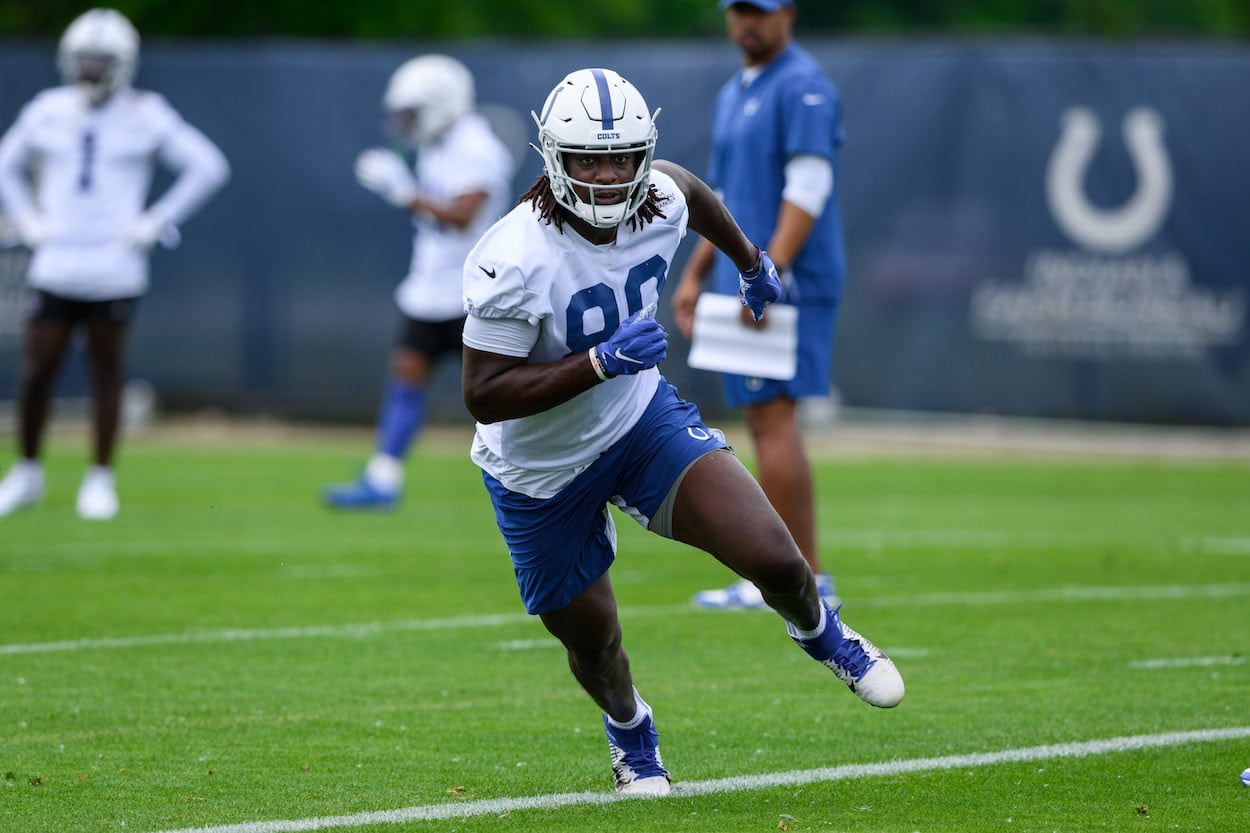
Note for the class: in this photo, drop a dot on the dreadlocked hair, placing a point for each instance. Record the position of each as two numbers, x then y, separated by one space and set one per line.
543 200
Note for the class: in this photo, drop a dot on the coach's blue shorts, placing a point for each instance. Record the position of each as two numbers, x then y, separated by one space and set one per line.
814 369
563 544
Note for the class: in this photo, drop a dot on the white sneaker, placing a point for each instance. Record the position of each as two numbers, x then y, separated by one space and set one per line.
97 496
864 667
22 486
636 764
741 595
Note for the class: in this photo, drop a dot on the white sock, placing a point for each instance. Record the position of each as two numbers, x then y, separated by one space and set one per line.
799 633
100 474
641 710
385 473
28 468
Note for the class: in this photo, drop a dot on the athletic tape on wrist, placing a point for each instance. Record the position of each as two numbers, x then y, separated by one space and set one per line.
596 364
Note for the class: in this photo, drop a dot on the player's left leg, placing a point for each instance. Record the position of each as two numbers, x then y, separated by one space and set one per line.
106 341
786 478
720 508
684 483
770 409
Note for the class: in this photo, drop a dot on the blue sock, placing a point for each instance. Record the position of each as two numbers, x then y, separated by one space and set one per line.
402 417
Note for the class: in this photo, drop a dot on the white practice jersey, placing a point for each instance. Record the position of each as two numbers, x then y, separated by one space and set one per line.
85 172
468 158
578 294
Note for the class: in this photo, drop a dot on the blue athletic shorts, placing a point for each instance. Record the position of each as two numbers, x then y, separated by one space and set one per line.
814 370
562 545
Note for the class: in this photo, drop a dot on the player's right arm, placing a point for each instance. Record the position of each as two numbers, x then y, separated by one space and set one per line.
15 190
502 329
498 387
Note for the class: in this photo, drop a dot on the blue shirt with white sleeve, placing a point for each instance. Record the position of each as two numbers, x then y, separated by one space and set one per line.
791 108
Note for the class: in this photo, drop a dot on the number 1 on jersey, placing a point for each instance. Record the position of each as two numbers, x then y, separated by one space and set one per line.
88 161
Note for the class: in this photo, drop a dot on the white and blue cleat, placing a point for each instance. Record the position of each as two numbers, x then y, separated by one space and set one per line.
864 667
360 495
636 765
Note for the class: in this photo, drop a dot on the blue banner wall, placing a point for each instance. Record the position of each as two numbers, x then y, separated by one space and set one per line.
1047 229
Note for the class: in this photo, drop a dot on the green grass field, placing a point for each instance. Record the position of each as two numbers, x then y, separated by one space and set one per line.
227 654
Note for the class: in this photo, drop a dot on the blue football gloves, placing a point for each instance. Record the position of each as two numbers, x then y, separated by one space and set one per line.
759 288
636 345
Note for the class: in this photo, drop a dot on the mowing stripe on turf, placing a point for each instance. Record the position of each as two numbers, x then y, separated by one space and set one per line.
497 806
1074 593
368 629
1186 662
39 557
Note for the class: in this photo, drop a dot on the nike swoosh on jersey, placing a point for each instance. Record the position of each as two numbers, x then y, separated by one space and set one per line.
812 99
490 273
625 358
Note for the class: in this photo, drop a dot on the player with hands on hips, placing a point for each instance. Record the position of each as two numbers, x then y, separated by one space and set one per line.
460 183
152 228
560 370
75 172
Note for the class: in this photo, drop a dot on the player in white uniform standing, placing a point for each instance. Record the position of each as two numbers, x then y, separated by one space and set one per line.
560 372
75 171
461 184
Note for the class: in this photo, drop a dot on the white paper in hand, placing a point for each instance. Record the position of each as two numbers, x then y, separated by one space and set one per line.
722 342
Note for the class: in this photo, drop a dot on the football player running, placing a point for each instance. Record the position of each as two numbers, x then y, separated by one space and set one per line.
560 371
460 185
75 171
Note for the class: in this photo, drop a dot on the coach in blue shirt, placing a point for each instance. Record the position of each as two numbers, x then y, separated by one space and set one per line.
775 135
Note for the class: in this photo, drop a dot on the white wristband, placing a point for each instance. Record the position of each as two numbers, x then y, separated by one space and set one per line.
597 365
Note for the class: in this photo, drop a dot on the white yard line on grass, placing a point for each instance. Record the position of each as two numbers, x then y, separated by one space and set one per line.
370 629
355 631
498 806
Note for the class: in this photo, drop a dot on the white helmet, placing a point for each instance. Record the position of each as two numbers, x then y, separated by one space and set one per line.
596 111
426 95
99 52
